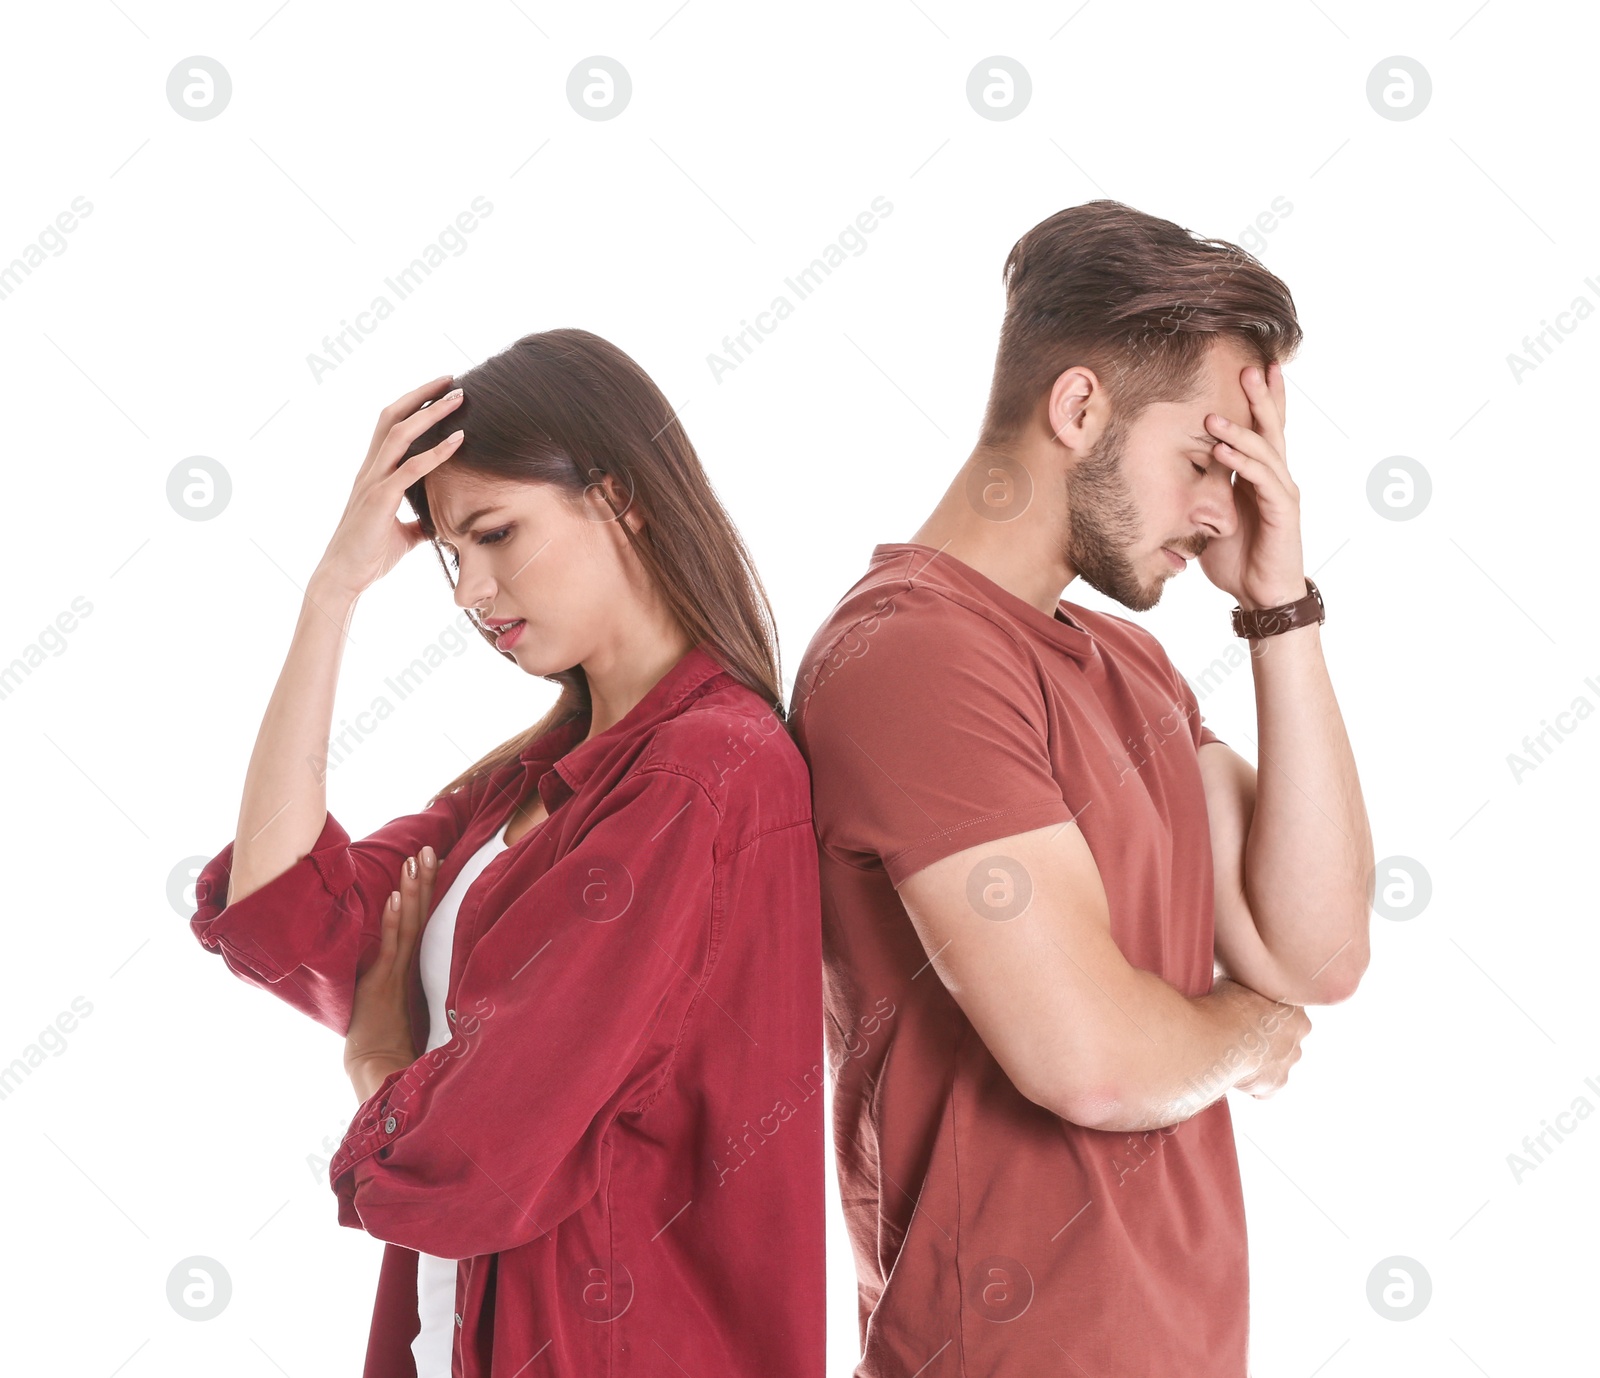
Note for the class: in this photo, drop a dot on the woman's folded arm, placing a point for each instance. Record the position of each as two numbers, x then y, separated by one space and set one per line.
308 932
570 1006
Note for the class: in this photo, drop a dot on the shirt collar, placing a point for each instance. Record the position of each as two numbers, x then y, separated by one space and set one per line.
563 760
1066 628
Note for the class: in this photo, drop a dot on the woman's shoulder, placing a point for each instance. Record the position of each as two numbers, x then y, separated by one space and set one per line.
734 745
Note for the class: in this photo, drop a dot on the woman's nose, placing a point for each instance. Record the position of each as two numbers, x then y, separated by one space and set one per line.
473 594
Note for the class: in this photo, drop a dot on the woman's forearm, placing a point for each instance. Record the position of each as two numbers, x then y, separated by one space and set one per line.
285 801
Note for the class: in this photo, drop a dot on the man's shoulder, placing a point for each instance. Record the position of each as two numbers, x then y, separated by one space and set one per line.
892 627
923 666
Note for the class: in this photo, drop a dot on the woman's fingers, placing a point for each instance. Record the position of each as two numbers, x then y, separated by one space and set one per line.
424 462
428 862
388 931
416 896
388 457
408 402
402 407
410 905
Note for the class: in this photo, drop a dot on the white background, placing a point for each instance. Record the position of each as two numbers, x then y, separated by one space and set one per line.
179 1117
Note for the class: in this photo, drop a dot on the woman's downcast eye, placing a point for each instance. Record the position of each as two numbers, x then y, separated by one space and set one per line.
488 538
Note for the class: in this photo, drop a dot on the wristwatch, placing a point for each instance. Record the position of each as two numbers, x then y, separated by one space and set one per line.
1285 617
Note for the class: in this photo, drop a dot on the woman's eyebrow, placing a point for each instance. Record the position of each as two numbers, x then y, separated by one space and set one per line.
471 517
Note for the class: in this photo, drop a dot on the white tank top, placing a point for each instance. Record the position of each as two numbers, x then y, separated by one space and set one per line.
436 1277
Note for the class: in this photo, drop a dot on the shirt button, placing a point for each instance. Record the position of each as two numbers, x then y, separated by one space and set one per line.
388 1125
458 1318
450 1015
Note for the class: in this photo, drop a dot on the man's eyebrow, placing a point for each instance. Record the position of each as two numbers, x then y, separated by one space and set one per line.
466 522
1206 440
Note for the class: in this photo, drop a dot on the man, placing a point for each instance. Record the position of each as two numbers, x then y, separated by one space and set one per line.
1035 854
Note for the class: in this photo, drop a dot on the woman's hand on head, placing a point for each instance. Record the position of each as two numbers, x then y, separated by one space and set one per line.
370 538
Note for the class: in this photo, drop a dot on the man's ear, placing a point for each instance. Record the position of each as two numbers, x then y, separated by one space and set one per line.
1074 406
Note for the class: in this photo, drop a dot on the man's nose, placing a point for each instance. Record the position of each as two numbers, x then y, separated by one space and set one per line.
1219 513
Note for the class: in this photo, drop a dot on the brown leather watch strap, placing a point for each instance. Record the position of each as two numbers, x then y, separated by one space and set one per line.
1285 617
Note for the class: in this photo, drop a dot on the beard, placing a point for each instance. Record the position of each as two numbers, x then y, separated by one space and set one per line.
1103 524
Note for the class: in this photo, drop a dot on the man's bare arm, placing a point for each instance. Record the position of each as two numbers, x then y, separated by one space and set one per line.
1291 846
1292 842
1077 1028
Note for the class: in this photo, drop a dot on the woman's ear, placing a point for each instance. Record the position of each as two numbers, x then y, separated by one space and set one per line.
609 499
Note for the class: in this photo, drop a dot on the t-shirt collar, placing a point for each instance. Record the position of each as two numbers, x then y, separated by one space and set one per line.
1065 629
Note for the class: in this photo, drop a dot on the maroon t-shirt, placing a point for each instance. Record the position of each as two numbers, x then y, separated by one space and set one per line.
937 712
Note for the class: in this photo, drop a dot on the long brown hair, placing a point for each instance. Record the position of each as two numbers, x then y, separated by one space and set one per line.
1136 298
568 408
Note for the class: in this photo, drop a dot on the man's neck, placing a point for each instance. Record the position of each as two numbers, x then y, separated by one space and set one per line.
1021 553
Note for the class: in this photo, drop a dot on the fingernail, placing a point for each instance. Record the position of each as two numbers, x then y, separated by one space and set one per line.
454 392
411 867
427 856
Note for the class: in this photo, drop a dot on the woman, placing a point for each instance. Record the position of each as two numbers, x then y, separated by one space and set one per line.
590 1127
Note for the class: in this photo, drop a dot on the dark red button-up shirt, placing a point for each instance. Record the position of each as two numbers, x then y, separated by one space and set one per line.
622 1143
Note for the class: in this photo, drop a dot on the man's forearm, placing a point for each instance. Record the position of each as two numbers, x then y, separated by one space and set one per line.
1186 1053
1308 856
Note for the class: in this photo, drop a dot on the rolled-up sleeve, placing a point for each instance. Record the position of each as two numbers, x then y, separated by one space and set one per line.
570 1006
304 935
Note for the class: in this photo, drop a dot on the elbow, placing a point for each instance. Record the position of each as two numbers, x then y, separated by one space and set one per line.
1341 978
1335 990
1089 1102
1094 1108
1289 976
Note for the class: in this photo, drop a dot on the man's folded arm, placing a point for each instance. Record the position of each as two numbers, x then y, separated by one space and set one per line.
1077 1028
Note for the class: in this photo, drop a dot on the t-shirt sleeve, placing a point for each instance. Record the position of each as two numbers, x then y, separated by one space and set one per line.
926 733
